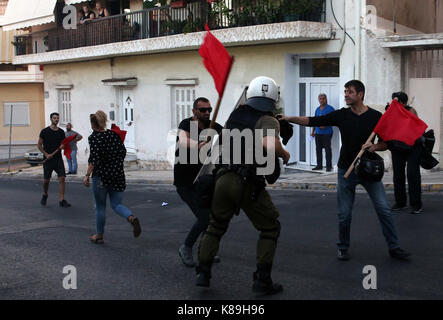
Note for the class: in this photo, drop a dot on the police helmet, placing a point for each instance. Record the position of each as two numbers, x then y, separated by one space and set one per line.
263 94
370 166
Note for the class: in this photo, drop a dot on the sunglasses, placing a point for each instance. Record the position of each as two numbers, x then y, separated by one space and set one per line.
203 110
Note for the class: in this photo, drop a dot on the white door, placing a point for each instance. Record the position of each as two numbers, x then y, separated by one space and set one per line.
128 119
309 89
330 88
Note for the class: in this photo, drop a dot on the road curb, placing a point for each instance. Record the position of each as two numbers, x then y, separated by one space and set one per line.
307 186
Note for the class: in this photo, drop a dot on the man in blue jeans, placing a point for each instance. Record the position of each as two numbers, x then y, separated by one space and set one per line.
356 124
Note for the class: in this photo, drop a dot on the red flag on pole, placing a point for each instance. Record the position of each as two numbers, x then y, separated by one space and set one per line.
121 133
67 150
399 124
216 60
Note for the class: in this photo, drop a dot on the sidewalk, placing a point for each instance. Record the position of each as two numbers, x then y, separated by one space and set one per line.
297 179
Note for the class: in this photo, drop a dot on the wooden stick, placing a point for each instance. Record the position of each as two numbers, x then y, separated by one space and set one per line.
351 167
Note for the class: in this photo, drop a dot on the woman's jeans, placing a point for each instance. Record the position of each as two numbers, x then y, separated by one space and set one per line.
346 196
72 164
100 192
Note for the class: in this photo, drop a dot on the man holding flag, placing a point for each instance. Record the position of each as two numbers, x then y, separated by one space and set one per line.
49 143
356 124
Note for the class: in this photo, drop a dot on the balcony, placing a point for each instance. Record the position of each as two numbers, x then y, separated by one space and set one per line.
188 17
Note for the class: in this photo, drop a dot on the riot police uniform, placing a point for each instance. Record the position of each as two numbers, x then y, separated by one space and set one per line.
239 187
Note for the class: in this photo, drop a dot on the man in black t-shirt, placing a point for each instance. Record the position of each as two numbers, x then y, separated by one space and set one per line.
356 124
48 143
186 169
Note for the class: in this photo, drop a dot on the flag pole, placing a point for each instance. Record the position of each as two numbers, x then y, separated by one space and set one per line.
352 166
220 97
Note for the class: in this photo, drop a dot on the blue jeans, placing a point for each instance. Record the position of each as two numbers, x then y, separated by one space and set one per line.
100 192
346 196
72 164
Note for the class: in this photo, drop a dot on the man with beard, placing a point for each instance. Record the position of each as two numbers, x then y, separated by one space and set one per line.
185 173
48 143
356 124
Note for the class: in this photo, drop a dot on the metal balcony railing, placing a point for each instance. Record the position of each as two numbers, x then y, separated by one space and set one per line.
181 17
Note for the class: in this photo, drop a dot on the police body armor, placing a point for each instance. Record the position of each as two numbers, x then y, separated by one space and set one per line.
245 117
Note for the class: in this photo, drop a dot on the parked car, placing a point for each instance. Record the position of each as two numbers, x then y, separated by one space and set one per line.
34 157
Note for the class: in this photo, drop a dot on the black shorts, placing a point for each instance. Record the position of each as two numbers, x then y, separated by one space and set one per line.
56 165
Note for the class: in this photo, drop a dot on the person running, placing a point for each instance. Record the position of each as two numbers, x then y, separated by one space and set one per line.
107 153
49 142
356 124
240 185
185 173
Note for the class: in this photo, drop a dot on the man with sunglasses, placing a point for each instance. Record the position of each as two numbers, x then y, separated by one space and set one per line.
186 171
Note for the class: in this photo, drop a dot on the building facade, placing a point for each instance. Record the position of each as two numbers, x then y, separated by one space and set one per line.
142 66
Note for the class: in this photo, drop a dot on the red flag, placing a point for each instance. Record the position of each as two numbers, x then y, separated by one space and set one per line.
399 124
67 150
216 60
121 133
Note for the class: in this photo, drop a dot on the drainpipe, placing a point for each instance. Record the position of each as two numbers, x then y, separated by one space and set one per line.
357 49
394 4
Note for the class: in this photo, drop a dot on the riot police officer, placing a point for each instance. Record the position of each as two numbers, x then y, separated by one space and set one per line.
239 186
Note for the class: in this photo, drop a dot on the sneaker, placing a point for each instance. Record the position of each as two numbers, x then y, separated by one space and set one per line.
64 204
44 199
397 207
399 254
185 254
343 255
317 168
328 169
417 210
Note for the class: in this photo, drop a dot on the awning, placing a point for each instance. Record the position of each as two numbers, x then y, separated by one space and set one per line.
6 47
25 13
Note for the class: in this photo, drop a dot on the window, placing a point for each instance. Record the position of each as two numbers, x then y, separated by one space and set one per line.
324 67
20 113
181 107
64 106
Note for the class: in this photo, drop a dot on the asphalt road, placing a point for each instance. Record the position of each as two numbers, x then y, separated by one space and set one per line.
36 243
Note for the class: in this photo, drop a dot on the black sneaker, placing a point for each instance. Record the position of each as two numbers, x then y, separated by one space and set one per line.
417 210
343 255
399 254
397 207
44 199
64 204
328 169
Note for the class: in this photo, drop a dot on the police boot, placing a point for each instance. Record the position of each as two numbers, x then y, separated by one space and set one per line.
203 274
262 281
